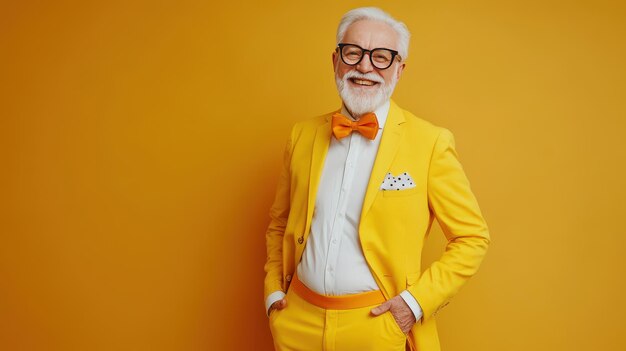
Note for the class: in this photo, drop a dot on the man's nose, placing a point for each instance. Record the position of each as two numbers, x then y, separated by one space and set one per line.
365 65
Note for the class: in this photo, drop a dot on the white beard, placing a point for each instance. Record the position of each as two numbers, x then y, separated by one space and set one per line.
358 102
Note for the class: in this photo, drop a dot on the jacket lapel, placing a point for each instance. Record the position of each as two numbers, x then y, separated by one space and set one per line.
320 149
392 133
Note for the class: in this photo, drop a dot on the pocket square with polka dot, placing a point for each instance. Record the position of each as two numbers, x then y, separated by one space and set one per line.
400 182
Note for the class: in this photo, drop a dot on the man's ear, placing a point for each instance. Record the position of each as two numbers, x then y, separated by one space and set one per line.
335 57
400 70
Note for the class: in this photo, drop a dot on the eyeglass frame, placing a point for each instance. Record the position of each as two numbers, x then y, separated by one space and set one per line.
394 55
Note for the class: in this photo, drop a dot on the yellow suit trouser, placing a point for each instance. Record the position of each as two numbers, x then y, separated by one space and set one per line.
302 326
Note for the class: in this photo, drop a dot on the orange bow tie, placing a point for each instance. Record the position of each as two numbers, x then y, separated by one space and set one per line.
367 125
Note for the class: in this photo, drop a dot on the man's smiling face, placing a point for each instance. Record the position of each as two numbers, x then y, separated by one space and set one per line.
363 87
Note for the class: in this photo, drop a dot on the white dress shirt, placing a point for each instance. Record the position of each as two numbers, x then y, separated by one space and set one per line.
333 262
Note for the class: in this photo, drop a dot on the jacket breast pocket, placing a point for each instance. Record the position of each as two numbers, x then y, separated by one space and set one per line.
400 193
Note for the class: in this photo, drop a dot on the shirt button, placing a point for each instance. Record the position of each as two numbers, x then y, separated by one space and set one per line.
288 277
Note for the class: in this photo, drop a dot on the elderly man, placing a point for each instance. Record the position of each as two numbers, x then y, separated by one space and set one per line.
358 192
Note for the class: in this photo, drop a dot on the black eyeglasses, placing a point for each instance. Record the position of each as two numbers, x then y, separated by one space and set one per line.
380 58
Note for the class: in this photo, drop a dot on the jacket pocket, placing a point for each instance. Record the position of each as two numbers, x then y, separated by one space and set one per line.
399 192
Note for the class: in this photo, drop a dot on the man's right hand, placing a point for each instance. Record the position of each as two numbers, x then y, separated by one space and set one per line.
278 305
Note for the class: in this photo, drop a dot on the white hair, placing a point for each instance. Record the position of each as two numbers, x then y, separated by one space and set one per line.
376 14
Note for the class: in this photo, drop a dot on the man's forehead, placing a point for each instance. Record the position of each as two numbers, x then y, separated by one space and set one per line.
371 34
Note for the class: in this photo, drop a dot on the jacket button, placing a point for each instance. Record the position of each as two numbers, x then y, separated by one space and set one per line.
288 277
300 240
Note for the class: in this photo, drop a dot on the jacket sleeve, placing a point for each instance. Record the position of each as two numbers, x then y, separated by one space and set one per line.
456 209
279 213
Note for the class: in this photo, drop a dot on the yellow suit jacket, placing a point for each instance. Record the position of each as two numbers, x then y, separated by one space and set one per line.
394 224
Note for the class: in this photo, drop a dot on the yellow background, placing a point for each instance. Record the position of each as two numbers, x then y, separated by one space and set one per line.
141 142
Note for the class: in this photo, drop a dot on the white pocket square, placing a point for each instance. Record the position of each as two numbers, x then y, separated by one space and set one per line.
401 182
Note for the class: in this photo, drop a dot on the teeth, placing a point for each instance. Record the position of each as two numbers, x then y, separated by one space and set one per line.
363 82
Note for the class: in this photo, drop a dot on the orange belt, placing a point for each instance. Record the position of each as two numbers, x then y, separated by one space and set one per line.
343 302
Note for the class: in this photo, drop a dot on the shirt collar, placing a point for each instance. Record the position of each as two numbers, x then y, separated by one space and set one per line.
381 113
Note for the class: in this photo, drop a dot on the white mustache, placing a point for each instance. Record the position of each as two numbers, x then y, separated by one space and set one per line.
369 76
